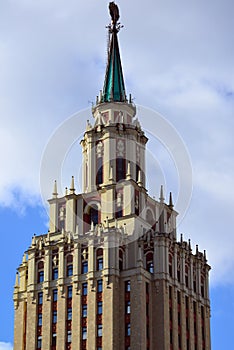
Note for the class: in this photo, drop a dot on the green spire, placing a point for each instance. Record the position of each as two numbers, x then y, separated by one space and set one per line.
114 90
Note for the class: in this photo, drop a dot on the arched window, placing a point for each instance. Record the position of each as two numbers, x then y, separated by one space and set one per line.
99 259
150 262
40 272
69 265
91 215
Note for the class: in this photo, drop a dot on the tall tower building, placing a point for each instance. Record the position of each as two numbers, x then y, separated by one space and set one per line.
110 273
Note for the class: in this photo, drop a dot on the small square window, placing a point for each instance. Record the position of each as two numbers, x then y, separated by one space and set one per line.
39 320
69 336
127 286
99 308
99 330
84 333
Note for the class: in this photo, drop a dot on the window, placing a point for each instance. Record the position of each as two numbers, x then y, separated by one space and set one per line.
69 292
150 262
120 259
99 177
150 267
40 298
94 215
85 288
39 320
120 169
99 330
55 273
84 266
55 295
128 307
84 310
100 263
99 286
69 270
54 339
40 276
69 313
54 320
128 330
69 336
39 342
127 286
84 333
99 307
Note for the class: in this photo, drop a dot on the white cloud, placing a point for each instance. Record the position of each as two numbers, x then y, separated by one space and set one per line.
6 346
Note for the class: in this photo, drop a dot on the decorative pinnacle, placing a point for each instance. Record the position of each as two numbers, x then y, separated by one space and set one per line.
72 188
139 182
55 191
171 205
128 176
17 280
161 198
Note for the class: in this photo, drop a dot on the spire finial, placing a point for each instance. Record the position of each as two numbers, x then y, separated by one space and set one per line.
55 191
114 89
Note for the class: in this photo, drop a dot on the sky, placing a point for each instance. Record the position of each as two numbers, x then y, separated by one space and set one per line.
177 60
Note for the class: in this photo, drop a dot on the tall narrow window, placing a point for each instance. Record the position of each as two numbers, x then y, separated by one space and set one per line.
150 262
39 342
94 214
99 286
40 275
69 265
120 169
54 320
55 273
85 289
40 298
55 295
84 261
99 260
99 163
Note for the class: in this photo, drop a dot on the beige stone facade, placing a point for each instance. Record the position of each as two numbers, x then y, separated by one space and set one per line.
110 274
